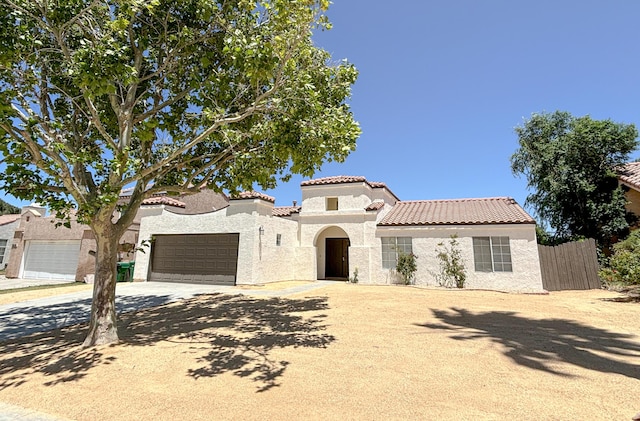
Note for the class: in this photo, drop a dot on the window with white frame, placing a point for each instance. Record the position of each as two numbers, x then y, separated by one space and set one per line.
391 247
3 249
492 254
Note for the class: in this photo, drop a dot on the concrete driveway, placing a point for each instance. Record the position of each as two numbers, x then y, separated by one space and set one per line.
44 314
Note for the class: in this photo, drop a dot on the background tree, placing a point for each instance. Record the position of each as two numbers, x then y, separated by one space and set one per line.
570 164
8 209
162 95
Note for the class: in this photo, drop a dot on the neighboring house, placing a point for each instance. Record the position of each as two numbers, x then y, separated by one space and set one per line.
344 223
42 250
8 224
629 178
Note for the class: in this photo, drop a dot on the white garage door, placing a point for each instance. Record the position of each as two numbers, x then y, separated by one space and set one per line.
51 260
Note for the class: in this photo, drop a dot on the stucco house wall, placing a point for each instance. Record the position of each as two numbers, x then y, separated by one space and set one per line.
525 277
352 220
7 230
260 260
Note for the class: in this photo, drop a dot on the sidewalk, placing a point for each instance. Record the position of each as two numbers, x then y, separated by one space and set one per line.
12 283
16 413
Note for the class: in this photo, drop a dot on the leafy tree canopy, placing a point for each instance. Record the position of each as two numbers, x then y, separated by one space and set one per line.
163 95
8 209
570 166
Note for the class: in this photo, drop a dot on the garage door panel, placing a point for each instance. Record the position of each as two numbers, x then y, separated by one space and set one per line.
51 260
195 258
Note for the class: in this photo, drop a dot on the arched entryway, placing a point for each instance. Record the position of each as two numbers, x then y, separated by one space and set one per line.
332 253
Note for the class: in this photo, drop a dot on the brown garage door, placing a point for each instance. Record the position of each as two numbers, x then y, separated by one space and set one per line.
195 258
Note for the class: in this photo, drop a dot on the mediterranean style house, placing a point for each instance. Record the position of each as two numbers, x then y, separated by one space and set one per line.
344 225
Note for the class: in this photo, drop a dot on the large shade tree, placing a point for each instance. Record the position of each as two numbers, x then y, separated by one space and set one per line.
570 165
162 95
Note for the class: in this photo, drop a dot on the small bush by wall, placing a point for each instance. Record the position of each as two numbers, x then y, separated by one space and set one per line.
452 269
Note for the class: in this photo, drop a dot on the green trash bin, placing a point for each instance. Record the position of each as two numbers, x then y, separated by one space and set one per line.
124 272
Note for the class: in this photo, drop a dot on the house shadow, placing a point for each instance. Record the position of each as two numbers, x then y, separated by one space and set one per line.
541 343
230 333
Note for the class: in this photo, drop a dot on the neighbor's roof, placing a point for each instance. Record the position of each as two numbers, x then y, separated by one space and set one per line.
629 174
253 195
286 210
7 219
494 210
345 179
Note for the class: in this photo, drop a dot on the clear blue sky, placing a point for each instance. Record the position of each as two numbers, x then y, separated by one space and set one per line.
443 83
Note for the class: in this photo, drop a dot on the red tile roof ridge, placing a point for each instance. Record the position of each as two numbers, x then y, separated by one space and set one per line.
345 179
629 174
466 199
335 179
253 195
375 205
163 200
285 210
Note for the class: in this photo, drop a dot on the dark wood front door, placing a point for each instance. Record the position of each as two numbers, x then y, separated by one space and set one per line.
337 258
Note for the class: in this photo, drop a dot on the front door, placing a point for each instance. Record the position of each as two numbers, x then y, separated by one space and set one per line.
337 258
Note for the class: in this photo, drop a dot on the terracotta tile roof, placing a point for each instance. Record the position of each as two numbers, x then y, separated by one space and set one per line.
344 179
7 219
629 174
494 210
375 206
338 179
377 185
286 210
163 200
254 195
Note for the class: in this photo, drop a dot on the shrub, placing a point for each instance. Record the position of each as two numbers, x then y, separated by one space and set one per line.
407 267
452 270
624 263
354 279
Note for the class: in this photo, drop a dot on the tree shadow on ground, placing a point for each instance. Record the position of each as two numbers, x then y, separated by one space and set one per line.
24 319
538 344
230 333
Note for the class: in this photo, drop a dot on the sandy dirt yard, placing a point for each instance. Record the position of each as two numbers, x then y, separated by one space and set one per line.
344 352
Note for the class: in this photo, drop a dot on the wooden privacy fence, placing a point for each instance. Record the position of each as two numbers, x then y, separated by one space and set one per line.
569 266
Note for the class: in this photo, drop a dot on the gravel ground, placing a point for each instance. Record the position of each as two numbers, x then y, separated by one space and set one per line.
344 352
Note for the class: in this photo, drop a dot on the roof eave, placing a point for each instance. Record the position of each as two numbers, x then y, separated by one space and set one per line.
427 224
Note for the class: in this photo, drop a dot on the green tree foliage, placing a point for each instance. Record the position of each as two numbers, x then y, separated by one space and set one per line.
569 163
8 209
162 95
624 264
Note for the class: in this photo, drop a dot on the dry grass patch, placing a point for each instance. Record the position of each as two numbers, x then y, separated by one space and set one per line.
343 351
35 292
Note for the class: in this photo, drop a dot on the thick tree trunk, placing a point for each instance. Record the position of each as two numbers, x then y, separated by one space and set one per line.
103 328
